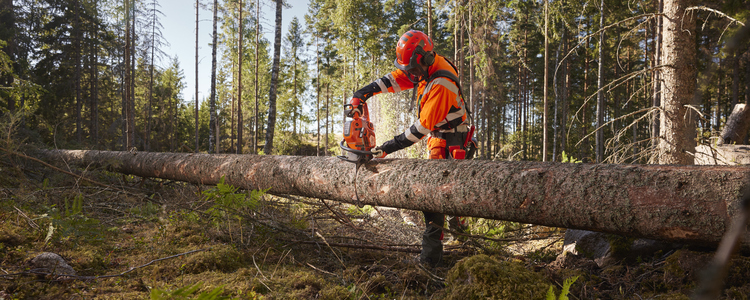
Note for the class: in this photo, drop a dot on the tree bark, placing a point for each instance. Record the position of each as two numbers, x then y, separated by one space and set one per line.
546 80
257 78
211 106
738 123
686 204
268 147
240 52
212 101
677 122
600 92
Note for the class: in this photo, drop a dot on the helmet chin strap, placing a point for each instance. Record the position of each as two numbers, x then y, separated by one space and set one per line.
416 79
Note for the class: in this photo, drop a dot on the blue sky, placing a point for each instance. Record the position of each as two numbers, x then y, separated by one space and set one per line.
179 31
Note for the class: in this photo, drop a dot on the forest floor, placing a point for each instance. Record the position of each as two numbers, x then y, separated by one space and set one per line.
134 238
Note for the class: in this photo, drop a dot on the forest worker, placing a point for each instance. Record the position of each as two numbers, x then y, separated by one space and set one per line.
442 114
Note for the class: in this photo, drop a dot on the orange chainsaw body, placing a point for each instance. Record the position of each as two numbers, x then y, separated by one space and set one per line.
359 133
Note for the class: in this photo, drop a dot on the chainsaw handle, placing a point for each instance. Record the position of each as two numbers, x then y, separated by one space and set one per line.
342 144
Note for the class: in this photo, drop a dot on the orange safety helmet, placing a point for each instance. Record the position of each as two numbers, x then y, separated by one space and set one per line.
413 47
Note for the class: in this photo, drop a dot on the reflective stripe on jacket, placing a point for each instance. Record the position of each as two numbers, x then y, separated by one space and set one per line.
439 101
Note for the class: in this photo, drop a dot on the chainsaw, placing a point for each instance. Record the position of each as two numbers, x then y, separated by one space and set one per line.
359 138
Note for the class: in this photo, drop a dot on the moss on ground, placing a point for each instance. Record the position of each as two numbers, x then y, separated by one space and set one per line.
485 277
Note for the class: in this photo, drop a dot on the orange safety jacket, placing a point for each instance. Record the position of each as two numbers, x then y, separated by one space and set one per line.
441 106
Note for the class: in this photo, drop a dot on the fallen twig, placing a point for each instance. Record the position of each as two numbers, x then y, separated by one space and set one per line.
360 246
28 220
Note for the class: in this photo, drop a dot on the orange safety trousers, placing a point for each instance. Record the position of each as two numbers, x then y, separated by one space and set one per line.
437 148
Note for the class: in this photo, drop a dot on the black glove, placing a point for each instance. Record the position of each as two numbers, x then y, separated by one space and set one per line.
390 146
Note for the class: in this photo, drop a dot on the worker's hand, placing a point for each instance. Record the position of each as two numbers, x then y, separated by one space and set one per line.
378 153
356 107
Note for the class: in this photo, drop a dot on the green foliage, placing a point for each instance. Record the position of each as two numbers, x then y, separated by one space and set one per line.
229 203
72 224
570 159
565 289
188 293
225 195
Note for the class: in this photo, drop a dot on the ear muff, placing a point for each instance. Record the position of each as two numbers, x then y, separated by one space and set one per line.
427 59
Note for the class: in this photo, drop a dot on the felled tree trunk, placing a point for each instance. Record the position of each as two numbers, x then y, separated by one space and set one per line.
735 131
688 204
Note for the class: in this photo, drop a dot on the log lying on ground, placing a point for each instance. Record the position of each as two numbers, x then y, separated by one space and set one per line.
686 204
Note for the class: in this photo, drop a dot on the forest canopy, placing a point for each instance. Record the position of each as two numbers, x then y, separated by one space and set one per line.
87 74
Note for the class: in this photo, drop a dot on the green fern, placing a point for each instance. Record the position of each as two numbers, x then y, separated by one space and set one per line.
72 223
565 289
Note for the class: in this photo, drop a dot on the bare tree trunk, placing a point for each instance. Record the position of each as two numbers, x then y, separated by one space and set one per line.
747 77
268 147
214 45
688 204
656 77
328 115
257 78
677 125
239 86
600 92
128 78
429 18
211 106
472 104
77 42
94 122
546 80
131 100
317 94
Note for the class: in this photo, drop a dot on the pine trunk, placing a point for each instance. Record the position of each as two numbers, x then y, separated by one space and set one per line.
686 204
212 101
240 52
677 122
268 147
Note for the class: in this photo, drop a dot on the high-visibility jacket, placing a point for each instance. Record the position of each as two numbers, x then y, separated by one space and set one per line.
441 106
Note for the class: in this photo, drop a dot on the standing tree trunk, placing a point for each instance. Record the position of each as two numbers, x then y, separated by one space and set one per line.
94 104
317 94
212 101
77 77
131 100
126 86
600 92
656 77
546 80
257 78
472 52
686 204
240 52
211 105
429 18
268 147
147 139
677 125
